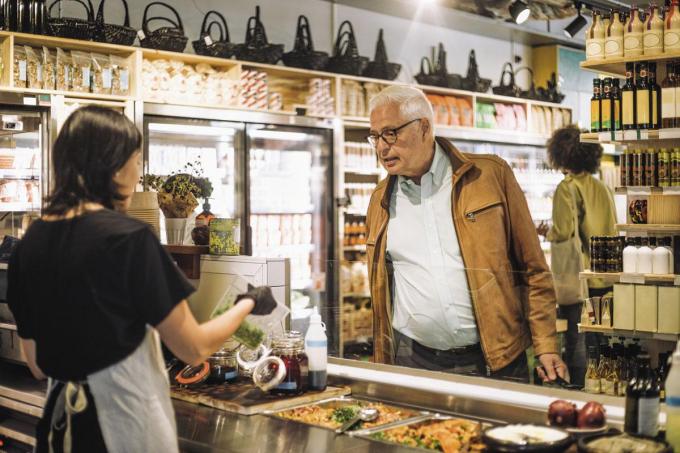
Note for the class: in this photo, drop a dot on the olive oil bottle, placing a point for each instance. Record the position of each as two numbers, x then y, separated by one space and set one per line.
628 99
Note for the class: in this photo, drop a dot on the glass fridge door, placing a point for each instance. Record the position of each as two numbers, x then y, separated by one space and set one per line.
21 164
290 209
216 146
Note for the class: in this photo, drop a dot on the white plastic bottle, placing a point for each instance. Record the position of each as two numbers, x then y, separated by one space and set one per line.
316 347
630 257
644 258
668 244
673 401
660 259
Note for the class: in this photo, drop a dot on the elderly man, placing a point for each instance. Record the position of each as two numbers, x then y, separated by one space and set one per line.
458 280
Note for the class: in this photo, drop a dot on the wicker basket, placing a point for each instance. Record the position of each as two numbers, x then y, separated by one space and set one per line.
256 47
123 35
346 58
303 54
171 39
204 45
71 27
380 68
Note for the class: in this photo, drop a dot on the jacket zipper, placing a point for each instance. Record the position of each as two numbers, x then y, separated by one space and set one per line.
472 215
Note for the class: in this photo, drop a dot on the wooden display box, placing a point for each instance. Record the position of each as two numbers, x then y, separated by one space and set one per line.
188 258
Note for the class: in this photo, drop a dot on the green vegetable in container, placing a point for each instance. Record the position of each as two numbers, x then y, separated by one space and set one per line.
345 414
249 335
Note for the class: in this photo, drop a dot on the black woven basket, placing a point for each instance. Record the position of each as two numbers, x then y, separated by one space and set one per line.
346 58
531 93
256 47
380 68
72 27
163 38
205 45
114 33
303 54
472 81
510 88
427 76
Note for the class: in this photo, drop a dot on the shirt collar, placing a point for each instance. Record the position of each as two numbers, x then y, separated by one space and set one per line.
436 173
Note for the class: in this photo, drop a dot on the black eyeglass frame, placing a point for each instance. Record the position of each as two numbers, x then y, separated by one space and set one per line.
373 139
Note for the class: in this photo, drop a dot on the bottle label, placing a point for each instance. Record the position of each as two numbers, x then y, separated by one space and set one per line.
652 40
671 39
616 119
648 416
673 401
632 43
608 387
613 47
668 102
592 385
595 116
655 108
606 114
642 106
628 110
595 48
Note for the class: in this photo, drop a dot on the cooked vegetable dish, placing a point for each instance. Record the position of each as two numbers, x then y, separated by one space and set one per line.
335 417
624 443
448 436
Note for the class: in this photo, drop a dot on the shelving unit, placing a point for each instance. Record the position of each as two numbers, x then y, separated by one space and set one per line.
638 279
643 228
629 333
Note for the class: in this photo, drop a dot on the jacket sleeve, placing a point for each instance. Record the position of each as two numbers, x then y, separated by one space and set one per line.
540 305
562 217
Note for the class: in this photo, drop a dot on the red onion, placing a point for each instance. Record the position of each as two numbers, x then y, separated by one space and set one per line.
592 415
562 413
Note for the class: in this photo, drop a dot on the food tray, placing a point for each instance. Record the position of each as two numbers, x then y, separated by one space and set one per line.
370 434
338 403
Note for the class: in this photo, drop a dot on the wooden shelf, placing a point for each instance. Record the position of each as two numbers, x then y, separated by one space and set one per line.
641 191
633 136
69 94
639 279
617 66
188 258
648 228
629 333
64 43
354 248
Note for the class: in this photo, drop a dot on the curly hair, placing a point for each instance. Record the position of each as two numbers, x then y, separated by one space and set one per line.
565 151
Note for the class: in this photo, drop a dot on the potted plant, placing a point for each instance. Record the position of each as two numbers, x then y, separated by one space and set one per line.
178 195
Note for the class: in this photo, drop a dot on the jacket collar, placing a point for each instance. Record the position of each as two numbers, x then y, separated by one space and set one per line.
459 165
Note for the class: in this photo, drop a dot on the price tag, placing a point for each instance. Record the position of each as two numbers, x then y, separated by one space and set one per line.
636 279
669 133
618 136
643 135
630 135
141 35
604 137
30 100
208 40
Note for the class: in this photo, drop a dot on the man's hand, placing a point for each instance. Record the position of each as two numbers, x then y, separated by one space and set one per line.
542 229
551 367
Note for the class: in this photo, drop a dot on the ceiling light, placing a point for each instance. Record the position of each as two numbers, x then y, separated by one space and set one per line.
575 25
519 11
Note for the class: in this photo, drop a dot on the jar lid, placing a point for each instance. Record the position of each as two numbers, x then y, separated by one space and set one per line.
288 340
248 359
193 375
223 354
269 373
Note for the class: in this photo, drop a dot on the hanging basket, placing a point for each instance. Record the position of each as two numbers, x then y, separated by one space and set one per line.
472 81
71 27
123 35
256 47
380 68
205 45
164 38
303 54
346 58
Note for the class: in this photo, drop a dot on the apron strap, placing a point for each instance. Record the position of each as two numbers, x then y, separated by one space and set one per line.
71 400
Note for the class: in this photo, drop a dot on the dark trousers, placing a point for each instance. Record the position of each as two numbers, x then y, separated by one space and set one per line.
470 362
575 343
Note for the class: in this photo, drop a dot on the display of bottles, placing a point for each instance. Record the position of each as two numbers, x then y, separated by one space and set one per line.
595 38
672 391
664 168
628 103
651 159
610 379
661 258
616 105
644 257
668 102
630 256
654 98
606 253
596 107
650 167
643 101
592 378
613 42
632 34
675 167
606 106
671 34
653 33
642 401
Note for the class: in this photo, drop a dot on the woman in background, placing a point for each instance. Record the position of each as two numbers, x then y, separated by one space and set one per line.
596 214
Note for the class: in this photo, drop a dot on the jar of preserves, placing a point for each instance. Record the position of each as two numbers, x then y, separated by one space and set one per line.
290 348
223 367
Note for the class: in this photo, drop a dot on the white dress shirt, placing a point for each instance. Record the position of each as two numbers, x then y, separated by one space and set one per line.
431 296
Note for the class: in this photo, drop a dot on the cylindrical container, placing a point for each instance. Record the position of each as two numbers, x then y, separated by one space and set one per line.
223 367
175 230
630 257
290 348
316 348
644 258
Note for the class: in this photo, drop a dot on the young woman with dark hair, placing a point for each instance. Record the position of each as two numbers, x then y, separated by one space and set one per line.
91 288
594 204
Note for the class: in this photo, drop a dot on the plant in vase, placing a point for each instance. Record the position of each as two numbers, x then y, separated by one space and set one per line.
178 195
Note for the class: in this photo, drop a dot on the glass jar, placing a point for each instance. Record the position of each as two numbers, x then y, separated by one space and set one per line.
223 367
290 348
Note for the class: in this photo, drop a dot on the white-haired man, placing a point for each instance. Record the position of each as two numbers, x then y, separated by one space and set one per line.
458 280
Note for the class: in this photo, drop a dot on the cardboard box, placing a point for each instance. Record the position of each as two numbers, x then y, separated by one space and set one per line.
669 309
646 308
624 306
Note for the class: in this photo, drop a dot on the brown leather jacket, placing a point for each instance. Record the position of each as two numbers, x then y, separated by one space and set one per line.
510 283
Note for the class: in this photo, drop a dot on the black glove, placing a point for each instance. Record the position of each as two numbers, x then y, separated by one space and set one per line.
264 300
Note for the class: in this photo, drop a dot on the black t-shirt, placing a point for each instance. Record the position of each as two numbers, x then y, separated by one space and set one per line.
85 288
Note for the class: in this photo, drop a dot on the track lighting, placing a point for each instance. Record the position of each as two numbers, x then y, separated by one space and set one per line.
519 11
577 24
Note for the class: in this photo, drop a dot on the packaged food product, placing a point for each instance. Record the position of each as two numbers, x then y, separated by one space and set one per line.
82 72
20 69
441 110
465 111
120 76
49 69
521 117
454 111
64 70
101 74
33 68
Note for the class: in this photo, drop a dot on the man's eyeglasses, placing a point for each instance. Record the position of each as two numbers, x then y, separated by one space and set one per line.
388 135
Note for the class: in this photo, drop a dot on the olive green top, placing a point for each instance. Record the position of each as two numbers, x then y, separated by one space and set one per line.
596 214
